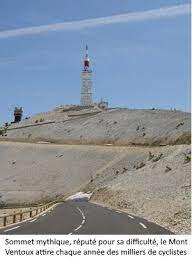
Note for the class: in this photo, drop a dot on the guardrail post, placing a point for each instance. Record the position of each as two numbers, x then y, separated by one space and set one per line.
21 217
30 213
4 221
14 218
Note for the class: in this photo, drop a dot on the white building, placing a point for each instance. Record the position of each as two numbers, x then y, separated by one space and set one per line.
103 104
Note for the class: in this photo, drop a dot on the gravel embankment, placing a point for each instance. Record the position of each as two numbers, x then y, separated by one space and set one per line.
116 126
157 188
30 173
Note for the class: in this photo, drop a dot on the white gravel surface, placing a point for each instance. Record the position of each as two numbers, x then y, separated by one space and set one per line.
35 172
116 126
159 191
156 188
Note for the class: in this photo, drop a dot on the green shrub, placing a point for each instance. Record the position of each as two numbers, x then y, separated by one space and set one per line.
187 158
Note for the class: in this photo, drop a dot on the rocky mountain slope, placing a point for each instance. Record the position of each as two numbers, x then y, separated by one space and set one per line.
31 173
96 126
138 161
153 183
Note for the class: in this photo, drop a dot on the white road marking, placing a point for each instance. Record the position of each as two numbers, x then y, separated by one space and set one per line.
44 215
81 212
10 229
33 220
130 216
82 222
118 212
144 226
78 228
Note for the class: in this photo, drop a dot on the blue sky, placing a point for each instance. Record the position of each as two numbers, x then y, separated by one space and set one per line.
138 64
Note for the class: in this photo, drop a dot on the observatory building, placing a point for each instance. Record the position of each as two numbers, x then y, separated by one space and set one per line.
18 112
86 82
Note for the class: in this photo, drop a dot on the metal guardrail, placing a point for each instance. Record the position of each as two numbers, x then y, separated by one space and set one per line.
20 216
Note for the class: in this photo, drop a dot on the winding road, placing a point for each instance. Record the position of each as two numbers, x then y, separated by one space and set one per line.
80 217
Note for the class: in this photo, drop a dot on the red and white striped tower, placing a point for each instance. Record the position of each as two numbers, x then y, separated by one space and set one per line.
86 82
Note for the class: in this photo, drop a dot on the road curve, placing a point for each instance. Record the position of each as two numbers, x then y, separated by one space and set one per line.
85 218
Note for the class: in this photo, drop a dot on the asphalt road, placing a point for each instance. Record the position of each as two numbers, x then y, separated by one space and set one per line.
84 218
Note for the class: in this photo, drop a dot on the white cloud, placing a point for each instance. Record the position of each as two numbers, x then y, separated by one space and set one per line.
101 21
